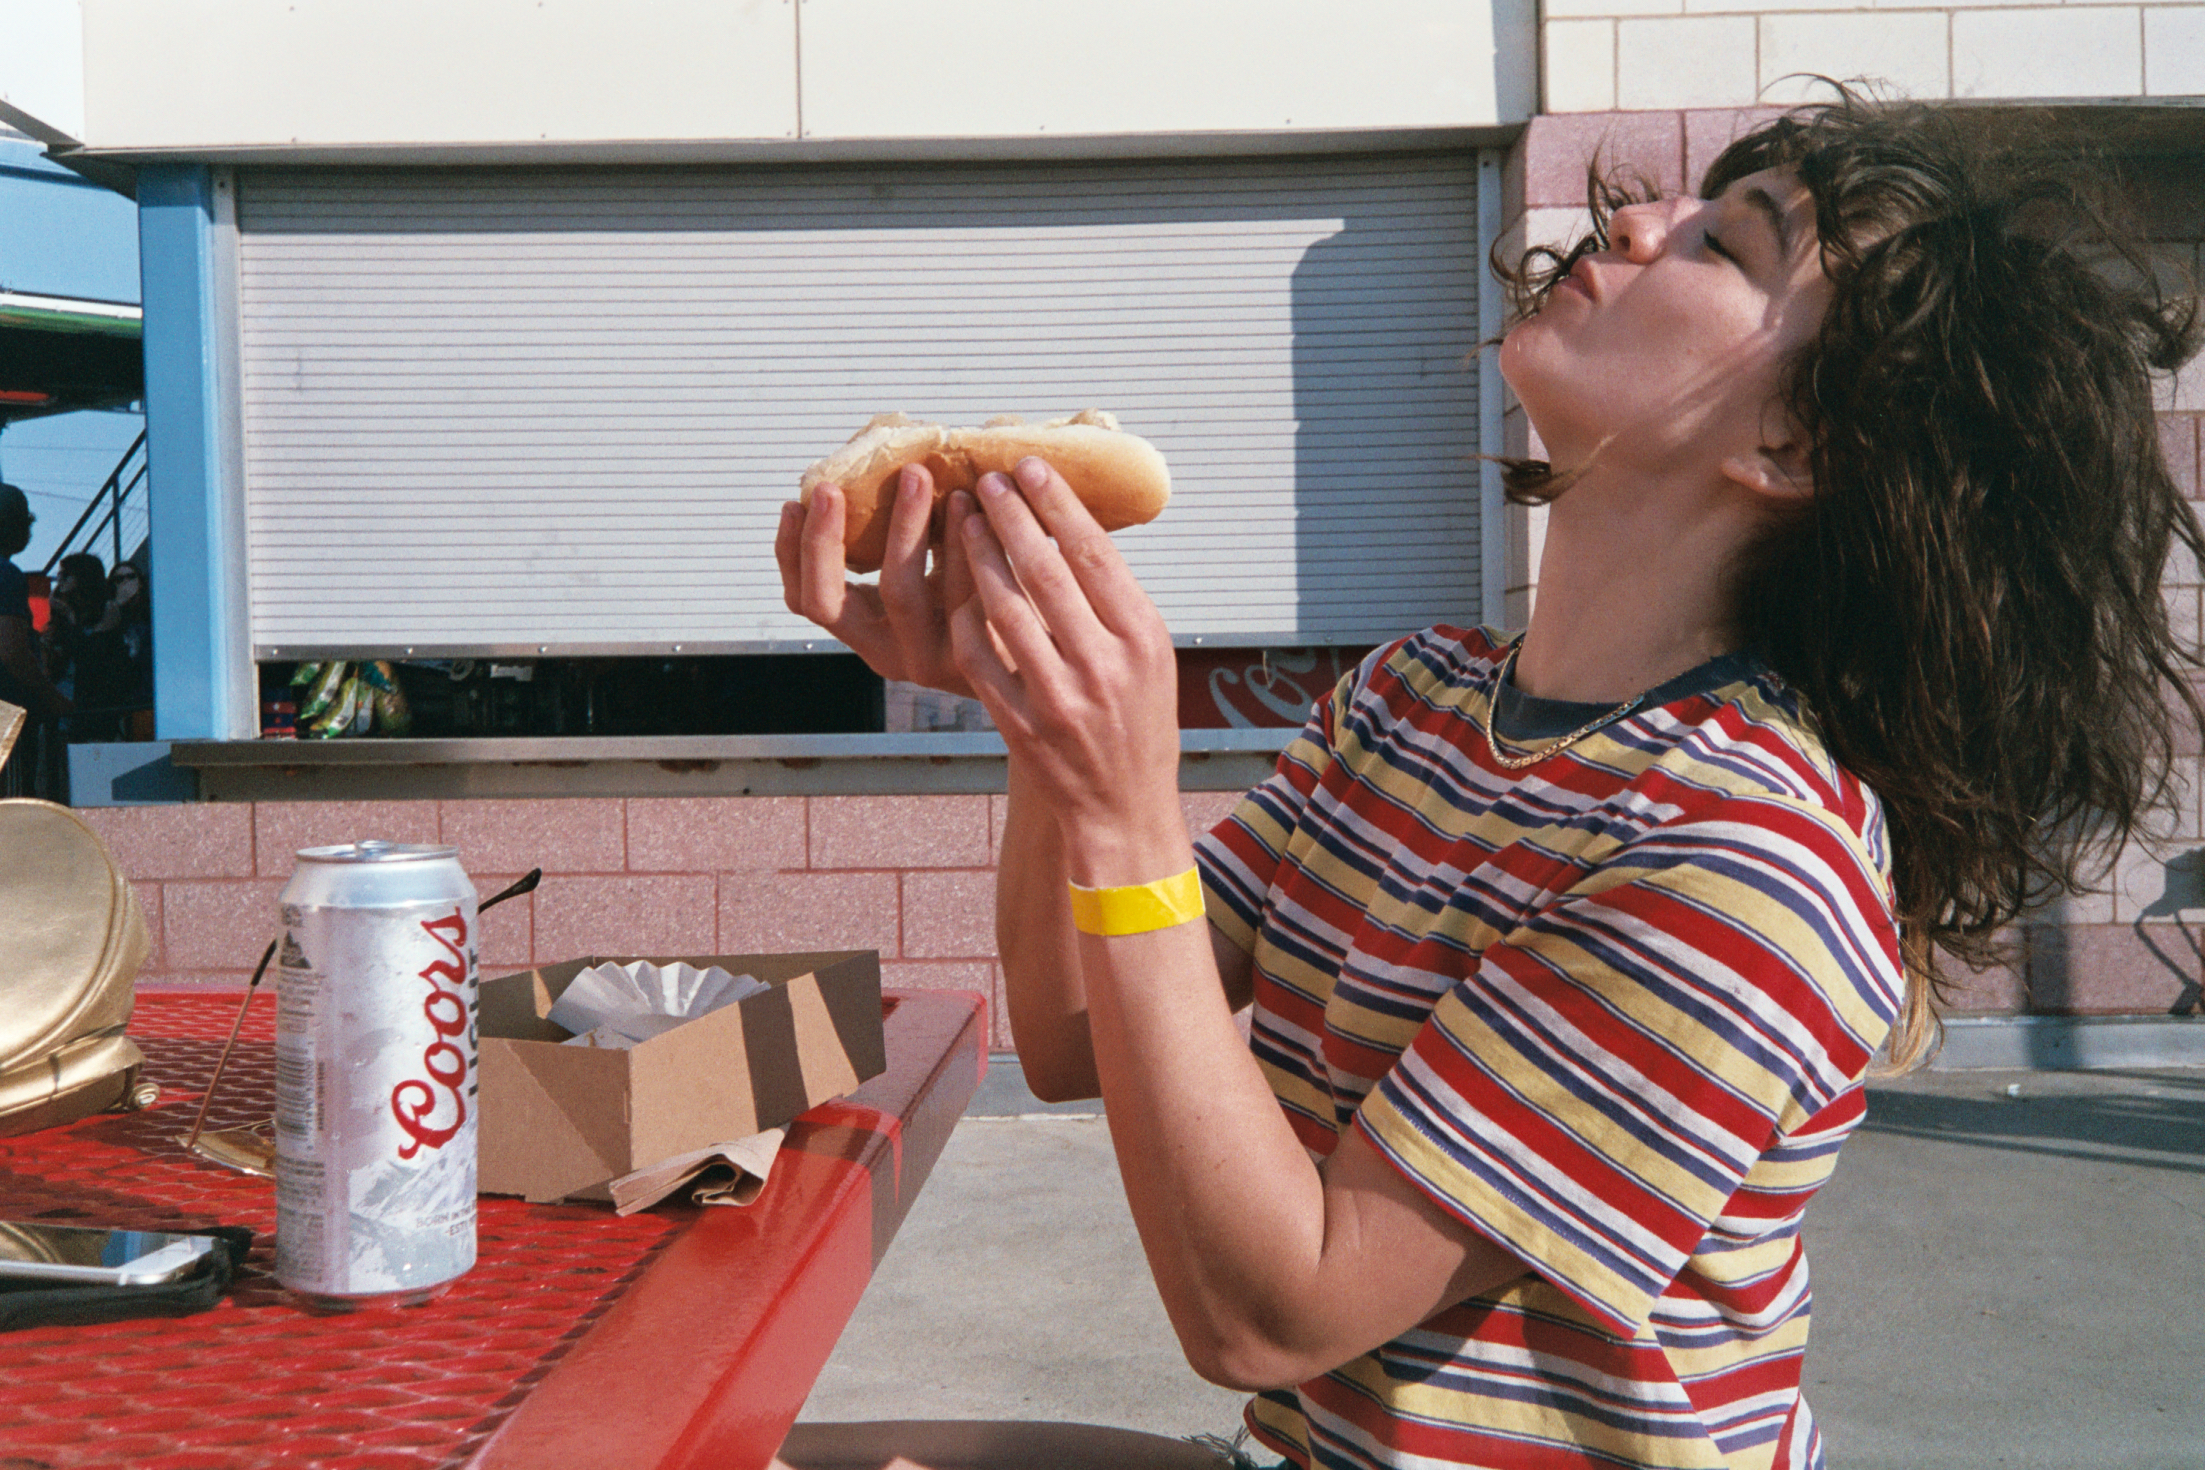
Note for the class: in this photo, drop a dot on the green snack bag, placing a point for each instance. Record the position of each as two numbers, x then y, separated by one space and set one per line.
338 718
328 688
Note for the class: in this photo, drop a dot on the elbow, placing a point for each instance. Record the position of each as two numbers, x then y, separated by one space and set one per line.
1250 1362
1058 1084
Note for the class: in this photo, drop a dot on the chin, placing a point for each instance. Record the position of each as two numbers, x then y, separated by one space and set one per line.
1519 350
1534 372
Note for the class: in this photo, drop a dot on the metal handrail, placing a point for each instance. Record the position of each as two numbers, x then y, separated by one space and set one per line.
112 494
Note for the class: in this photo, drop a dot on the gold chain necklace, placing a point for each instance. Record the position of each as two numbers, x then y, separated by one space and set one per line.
1519 762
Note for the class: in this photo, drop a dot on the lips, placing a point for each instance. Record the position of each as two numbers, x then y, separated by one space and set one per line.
1579 280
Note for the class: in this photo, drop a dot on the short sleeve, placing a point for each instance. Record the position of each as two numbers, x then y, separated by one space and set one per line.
1239 857
1597 1087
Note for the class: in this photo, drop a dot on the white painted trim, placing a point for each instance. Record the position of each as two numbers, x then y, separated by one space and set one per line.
1225 143
1492 506
237 703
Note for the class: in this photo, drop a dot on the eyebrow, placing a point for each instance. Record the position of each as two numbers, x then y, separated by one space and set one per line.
1764 203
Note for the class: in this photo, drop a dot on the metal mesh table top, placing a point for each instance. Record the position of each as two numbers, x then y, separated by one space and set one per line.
258 1380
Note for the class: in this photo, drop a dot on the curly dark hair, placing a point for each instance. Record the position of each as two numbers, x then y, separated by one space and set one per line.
1970 603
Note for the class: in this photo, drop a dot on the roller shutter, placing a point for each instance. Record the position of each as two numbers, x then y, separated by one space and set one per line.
513 409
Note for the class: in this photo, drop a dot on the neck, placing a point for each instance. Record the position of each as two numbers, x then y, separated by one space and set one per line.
1630 594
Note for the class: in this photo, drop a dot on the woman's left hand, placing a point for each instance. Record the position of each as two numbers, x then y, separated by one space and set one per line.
1076 666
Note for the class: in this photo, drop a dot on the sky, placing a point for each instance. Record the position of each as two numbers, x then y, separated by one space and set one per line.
60 236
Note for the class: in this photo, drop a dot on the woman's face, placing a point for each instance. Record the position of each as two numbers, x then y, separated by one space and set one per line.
1663 351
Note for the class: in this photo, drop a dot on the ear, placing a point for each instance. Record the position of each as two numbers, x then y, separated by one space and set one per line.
1781 477
1777 470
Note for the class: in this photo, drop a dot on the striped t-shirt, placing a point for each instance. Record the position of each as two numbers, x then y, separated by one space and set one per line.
1613 1011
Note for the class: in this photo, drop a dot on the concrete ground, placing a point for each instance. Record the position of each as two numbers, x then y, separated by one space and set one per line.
2009 1272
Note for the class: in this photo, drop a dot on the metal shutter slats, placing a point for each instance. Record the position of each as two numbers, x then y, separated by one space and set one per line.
500 409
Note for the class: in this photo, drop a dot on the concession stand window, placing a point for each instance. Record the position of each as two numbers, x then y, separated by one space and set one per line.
523 412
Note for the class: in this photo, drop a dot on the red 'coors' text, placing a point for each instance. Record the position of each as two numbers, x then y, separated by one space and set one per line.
419 1104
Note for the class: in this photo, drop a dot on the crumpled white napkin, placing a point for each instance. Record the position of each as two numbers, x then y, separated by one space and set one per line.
620 1005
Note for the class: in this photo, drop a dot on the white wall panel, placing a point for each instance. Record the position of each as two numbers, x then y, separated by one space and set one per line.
981 68
1744 53
509 408
42 61
214 73
2065 51
2174 51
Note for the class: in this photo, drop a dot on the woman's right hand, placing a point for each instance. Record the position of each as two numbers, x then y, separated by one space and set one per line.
900 627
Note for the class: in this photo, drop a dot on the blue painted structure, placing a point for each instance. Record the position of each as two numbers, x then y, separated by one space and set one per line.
203 685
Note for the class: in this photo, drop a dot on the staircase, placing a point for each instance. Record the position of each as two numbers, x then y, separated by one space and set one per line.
116 516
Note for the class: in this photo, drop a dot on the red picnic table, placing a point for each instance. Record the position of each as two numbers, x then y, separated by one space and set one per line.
678 1337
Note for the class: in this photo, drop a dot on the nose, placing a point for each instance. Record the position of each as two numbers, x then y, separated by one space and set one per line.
1636 231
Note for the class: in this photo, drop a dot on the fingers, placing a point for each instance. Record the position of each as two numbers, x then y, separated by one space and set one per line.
988 671
915 616
788 541
1020 636
908 516
808 546
1081 576
820 578
956 566
903 565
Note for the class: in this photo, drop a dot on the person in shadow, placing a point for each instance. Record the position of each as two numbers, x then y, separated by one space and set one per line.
83 649
23 680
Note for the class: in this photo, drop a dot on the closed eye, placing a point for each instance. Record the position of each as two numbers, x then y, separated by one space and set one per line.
1720 248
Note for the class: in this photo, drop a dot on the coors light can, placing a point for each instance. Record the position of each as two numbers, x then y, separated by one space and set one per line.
375 1075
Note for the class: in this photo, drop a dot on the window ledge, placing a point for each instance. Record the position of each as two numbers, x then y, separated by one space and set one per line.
661 765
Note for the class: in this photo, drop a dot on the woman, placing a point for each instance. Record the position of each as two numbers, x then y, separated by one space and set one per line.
1569 953
82 655
129 621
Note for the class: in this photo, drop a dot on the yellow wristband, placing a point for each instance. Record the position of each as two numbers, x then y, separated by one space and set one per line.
1138 908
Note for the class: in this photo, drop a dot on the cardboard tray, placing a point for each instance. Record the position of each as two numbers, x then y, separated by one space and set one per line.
559 1121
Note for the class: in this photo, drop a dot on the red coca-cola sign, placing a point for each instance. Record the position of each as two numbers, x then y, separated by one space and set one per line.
1257 688
432 1109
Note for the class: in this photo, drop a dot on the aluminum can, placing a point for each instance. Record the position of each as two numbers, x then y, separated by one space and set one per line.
375 1075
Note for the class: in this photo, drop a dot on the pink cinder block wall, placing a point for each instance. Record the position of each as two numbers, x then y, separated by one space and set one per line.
910 876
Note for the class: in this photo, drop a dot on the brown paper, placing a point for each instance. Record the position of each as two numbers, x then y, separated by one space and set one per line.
750 1160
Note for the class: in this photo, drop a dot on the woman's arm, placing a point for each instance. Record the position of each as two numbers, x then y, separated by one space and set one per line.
1038 948
1272 1268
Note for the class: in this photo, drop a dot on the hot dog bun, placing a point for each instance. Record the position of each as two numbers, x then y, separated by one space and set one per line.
1119 477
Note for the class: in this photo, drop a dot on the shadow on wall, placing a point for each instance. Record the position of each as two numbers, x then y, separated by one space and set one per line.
1386 424
2184 888
2162 1129
2165 941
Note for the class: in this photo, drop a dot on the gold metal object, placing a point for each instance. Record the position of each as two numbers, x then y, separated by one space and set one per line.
253 1148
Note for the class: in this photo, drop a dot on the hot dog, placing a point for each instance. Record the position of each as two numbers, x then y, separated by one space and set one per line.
1119 477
